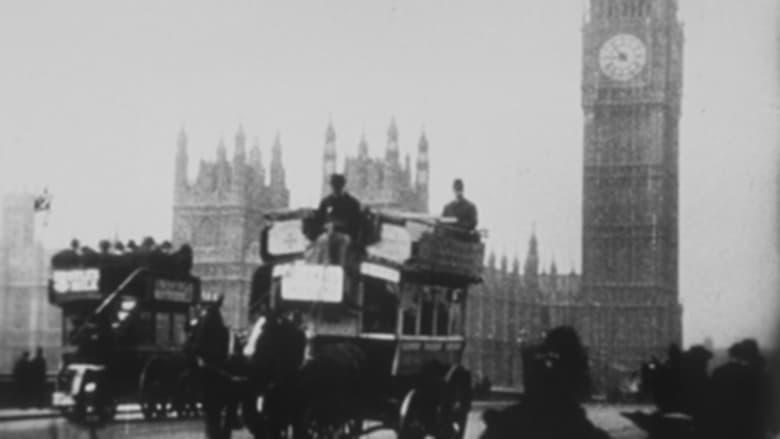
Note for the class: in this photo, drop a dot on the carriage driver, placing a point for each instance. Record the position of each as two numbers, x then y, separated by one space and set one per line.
463 210
339 213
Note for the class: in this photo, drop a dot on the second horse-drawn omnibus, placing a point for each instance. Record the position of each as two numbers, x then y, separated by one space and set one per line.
124 322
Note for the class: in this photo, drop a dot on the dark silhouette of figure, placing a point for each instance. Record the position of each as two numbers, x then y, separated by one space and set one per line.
339 217
739 395
340 209
208 345
557 380
463 210
21 374
678 387
118 248
695 384
38 378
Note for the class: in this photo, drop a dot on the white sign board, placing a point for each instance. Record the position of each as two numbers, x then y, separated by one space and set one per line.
316 283
173 291
395 244
380 272
82 281
286 237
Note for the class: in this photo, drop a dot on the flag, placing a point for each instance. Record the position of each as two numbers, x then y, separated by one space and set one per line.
42 202
42 205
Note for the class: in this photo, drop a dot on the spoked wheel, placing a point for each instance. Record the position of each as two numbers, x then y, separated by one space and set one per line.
454 404
412 423
153 390
186 395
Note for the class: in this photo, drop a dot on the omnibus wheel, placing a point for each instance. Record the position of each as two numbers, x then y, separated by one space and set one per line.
185 395
153 389
454 404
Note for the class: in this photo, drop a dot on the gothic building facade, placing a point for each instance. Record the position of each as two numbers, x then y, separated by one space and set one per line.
511 307
27 320
220 214
381 181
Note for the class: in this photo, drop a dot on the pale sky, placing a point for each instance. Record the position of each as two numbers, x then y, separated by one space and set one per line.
93 94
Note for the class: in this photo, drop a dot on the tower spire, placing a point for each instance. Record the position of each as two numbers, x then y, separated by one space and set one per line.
240 150
531 268
180 167
279 193
363 146
421 179
329 156
256 161
392 142
239 161
222 166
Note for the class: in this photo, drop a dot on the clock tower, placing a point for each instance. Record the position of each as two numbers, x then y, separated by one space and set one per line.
631 88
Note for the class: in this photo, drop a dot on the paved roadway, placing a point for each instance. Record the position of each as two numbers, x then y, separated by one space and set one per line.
131 426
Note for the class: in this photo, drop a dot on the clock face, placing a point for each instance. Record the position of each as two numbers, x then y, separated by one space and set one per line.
622 57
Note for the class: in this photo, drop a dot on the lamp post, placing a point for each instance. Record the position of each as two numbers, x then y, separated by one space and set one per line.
519 343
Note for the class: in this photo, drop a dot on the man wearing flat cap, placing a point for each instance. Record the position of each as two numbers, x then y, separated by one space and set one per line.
463 210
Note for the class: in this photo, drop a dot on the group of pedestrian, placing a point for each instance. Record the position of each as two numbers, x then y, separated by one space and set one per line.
157 256
29 375
733 401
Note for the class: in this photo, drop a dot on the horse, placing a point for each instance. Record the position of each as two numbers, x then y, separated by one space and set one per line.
273 357
208 344
315 397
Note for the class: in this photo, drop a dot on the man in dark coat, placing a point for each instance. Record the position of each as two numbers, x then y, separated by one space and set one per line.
463 210
339 214
38 378
340 208
556 381
22 379
739 399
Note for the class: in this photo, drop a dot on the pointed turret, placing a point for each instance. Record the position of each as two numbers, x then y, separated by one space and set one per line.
280 195
180 167
421 183
531 268
363 146
256 162
328 158
221 151
515 265
392 142
491 261
240 150
239 160
553 268
222 167
407 170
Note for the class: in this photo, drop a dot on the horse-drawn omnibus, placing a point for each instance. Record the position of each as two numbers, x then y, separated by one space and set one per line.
384 330
124 323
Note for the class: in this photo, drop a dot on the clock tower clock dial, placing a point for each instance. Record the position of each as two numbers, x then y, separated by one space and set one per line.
622 57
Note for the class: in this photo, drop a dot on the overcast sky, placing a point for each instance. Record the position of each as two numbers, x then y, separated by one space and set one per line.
93 93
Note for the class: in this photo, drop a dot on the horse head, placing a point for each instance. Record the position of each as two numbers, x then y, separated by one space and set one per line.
208 336
276 346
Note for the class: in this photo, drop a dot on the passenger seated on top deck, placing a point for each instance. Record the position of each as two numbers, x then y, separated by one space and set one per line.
339 215
463 210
